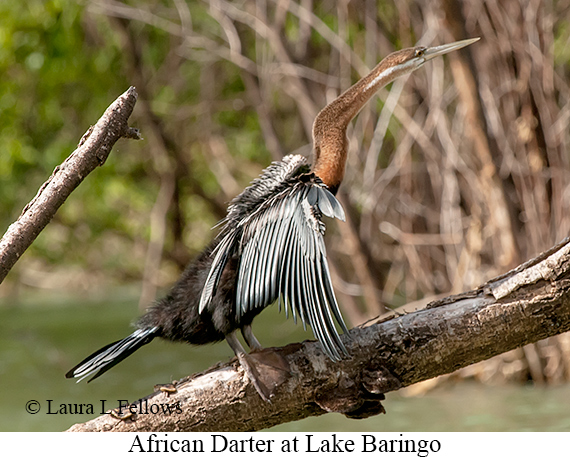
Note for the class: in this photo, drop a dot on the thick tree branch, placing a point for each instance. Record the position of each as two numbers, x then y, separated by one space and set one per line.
92 151
525 305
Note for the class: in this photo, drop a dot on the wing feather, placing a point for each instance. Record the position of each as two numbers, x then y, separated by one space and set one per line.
278 238
327 283
246 278
285 283
336 207
221 255
323 317
298 282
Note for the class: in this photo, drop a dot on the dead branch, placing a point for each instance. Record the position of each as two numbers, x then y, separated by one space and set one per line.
525 305
92 151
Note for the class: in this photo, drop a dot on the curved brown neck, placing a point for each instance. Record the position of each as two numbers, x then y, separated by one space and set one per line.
329 128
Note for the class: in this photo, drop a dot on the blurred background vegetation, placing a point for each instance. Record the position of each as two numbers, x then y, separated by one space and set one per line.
456 173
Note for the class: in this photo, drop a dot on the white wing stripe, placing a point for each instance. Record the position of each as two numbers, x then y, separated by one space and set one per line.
276 231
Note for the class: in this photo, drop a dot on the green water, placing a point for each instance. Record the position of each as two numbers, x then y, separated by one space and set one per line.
41 339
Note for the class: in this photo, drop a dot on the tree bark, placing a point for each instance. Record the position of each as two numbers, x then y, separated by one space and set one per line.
92 151
527 304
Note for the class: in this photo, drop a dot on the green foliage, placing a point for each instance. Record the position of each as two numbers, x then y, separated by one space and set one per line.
61 65
57 80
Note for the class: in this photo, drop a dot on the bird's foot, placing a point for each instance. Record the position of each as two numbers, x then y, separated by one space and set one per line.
266 369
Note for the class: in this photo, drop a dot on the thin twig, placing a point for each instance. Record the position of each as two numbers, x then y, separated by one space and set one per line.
92 151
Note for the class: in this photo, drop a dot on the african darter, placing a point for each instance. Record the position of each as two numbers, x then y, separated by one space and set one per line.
270 247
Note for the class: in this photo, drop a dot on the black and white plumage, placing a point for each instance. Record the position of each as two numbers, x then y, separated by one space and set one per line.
276 231
270 248
109 356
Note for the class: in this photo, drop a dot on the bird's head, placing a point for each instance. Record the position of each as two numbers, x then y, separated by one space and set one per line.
329 128
407 60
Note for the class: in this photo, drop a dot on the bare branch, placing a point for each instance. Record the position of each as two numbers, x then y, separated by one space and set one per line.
92 151
449 334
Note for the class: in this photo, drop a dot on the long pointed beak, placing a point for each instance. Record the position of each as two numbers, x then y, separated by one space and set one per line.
436 51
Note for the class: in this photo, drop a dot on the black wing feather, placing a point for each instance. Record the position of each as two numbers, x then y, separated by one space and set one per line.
274 227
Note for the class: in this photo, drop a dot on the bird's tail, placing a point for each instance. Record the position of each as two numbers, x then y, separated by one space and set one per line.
109 356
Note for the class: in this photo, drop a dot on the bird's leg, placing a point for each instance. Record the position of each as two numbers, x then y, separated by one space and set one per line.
250 339
265 368
247 366
268 357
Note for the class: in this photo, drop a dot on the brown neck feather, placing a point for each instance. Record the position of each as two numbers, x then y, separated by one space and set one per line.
329 128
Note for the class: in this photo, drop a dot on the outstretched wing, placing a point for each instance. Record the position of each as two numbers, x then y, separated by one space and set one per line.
278 237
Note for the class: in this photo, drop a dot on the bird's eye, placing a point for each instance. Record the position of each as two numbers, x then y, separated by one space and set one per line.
420 52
